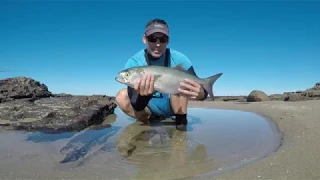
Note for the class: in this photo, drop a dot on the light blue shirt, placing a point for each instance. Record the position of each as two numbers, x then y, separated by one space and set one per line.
175 59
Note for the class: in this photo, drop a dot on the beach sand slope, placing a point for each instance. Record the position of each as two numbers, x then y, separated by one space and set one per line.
299 156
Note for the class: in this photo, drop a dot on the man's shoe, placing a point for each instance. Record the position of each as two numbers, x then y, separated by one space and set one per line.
181 124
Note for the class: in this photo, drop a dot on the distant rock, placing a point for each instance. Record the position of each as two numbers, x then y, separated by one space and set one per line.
28 104
231 98
257 96
277 97
61 95
300 95
312 93
22 87
315 88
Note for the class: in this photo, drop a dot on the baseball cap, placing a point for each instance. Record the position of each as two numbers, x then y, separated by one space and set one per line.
157 27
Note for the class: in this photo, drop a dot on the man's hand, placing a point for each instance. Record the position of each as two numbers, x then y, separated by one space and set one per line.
145 85
191 89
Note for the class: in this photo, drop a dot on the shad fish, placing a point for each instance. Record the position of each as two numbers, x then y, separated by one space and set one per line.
167 79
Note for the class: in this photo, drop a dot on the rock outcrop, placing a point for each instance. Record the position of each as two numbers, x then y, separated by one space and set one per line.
22 87
300 95
27 104
257 96
231 98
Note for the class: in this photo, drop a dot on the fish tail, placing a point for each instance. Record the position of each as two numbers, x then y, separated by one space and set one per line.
209 81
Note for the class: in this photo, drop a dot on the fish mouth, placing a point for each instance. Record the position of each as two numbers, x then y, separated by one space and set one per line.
121 79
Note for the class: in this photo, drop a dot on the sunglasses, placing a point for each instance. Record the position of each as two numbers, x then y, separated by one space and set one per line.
153 39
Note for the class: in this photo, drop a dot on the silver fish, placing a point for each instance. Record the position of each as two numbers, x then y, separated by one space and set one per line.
167 79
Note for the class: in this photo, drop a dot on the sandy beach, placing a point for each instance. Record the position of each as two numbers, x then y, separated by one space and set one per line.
299 156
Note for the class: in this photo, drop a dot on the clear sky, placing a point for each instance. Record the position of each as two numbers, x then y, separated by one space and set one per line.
78 47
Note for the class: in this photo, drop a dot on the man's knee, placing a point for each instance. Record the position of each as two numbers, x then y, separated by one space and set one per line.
129 99
177 99
122 99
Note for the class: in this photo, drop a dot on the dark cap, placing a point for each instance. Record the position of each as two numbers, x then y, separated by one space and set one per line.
157 27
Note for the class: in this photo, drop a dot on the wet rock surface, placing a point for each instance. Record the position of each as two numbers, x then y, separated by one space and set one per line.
29 105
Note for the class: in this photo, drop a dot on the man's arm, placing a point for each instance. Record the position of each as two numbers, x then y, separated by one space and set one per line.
187 64
203 93
137 101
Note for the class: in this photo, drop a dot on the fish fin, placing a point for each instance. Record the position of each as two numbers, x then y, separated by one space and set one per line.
209 81
179 67
156 77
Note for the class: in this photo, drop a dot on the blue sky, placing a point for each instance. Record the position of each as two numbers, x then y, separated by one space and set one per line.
78 47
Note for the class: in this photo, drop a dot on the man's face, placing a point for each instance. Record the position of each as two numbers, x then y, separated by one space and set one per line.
156 44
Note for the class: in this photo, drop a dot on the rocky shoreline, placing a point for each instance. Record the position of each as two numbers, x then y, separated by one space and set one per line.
27 104
312 93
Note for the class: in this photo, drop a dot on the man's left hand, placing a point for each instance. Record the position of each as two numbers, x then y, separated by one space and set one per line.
191 89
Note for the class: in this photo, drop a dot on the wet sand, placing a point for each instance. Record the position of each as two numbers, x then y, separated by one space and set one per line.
299 155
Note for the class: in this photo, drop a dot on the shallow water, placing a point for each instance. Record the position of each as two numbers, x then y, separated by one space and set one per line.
216 141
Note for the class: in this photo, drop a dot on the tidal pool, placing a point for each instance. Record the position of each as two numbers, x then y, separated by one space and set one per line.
216 141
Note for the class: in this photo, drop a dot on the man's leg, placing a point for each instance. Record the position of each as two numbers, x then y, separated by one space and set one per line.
124 104
179 106
160 106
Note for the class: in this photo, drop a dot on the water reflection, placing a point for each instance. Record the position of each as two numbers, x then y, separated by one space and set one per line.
170 155
125 149
192 120
136 133
80 144
87 143
47 137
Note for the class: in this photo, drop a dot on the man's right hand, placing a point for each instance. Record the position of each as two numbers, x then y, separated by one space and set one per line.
145 85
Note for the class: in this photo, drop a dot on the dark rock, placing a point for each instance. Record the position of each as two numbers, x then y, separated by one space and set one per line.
289 97
278 97
22 87
316 87
308 94
228 98
231 98
257 96
296 97
61 95
113 98
311 93
66 113
300 95
288 93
